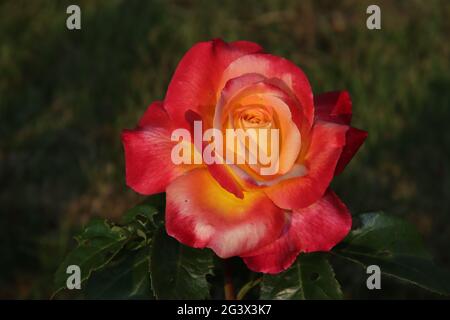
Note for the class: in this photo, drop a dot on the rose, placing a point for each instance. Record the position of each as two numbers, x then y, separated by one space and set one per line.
232 208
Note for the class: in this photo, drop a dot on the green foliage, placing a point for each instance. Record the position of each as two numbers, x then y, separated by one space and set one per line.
310 277
177 271
136 260
97 246
142 214
124 278
114 258
396 247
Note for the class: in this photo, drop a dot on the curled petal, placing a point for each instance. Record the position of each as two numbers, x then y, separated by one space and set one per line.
279 68
227 180
335 106
254 89
200 213
354 140
232 88
220 172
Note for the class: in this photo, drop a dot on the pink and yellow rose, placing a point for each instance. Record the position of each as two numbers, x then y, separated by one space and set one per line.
232 208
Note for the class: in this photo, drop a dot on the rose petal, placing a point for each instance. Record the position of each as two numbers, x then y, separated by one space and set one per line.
254 89
232 88
155 116
334 106
196 80
200 213
220 172
354 140
223 175
327 142
272 66
148 164
318 227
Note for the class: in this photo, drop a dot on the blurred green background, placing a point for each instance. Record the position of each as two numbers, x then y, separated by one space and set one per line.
66 95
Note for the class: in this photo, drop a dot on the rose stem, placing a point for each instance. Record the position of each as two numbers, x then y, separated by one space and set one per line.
228 281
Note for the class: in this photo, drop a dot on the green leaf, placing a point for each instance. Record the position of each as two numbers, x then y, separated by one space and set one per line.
126 277
145 212
397 248
97 245
310 277
177 271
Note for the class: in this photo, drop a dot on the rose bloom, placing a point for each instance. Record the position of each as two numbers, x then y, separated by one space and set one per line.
231 208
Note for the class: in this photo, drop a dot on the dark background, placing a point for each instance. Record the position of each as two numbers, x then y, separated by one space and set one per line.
66 95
